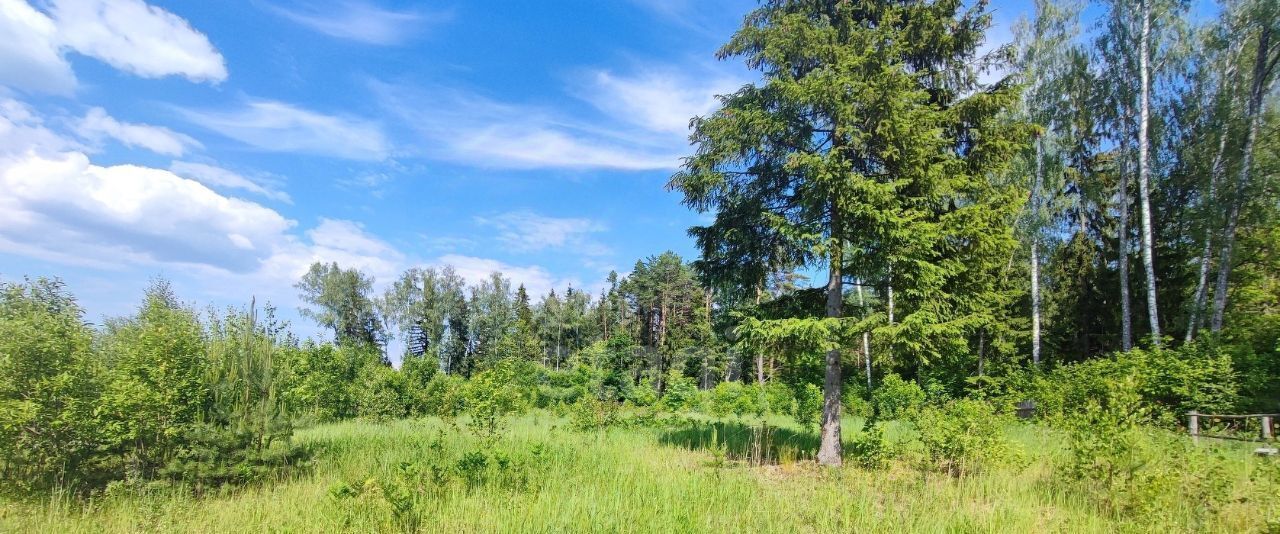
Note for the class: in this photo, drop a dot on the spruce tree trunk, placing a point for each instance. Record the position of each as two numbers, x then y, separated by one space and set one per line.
1257 89
829 451
1144 171
866 336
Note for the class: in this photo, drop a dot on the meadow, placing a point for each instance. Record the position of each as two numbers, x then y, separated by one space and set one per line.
687 475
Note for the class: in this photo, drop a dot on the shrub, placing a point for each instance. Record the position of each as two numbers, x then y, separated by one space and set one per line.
855 404
870 449
1142 471
807 409
380 393
896 398
1167 384
965 436
646 394
495 394
733 398
591 413
681 394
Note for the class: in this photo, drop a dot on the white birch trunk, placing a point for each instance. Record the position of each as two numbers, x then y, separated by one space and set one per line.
1257 89
1144 171
1035 253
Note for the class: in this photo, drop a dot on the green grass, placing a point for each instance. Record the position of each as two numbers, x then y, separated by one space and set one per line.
619 480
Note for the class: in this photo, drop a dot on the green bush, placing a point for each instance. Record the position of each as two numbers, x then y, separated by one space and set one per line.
380 393
870 449
591 413
734 398
964 437
645 394
807 408
495 394
681 393
1167 384
896 398
1141 471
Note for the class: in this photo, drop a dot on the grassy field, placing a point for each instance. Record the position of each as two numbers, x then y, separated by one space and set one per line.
543 476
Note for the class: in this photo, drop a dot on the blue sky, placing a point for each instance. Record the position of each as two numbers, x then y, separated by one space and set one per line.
227 145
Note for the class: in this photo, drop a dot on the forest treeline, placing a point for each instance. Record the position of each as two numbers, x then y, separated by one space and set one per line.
1088 210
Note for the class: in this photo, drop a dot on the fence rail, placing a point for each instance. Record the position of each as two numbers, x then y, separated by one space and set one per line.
1267 424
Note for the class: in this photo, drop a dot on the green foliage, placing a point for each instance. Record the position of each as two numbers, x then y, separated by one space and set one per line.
590 413
965 437
681 393
343 302
48 385
734 398
380 392
646 394
1168 383
870 449
896 398
495 394
807 407
1139 471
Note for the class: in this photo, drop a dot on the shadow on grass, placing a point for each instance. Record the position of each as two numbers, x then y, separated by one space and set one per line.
756 445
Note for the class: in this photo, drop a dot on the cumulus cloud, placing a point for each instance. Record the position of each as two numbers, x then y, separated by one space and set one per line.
69 207
129 35
220 178
30 56
96 125
135 37
280 127
360 21
526 231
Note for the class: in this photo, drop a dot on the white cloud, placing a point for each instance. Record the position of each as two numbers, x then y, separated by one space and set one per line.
279 127
536 280
96 124
478 131
30 58
526 231
360 21
69 207
659 100
129 35
218 177
22 130
133 36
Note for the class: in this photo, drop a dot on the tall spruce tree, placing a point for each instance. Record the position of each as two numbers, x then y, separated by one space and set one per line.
868 131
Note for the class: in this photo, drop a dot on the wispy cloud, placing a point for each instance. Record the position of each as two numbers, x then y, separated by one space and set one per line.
96 125
218 177
658 99
526 231
642 121
468 128
361 21
280 127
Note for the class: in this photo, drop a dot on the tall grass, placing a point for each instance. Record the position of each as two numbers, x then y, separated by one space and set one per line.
680 479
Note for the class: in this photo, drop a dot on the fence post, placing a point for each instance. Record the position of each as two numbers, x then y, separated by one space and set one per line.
1193 424
1266 428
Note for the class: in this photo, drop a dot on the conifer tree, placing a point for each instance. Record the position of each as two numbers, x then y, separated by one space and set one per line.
869 131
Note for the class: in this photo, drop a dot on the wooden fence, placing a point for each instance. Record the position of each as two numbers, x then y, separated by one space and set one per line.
1266 427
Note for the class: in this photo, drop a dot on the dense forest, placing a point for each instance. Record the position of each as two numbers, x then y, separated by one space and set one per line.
906 228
